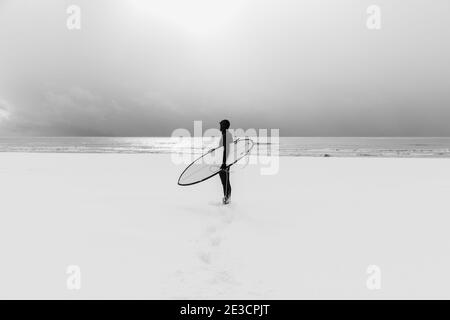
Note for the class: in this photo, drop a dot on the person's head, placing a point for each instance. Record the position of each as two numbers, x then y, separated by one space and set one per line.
224 125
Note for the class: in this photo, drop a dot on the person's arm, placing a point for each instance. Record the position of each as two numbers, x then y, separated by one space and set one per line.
225 145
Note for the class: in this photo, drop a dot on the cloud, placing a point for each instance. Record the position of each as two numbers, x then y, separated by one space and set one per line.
78 111
312 74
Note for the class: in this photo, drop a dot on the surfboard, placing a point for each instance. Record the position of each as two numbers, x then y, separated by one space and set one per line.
208 165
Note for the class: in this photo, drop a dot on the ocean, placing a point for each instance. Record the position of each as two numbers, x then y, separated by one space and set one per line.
284 146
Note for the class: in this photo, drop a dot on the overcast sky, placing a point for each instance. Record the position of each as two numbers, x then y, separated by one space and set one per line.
147 67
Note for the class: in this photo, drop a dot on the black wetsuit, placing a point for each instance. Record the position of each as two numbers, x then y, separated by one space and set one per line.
225 173
225 178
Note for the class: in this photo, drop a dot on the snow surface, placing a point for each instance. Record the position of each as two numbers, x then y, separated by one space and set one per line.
309 231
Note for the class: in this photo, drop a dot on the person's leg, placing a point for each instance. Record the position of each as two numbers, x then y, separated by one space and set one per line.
223 179
228 191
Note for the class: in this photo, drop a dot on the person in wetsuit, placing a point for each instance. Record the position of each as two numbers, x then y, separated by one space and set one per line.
227 142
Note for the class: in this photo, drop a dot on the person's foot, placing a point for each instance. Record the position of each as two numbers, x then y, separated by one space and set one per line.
226 200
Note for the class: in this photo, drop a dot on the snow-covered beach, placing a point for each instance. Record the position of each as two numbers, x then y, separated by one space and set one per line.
309 231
